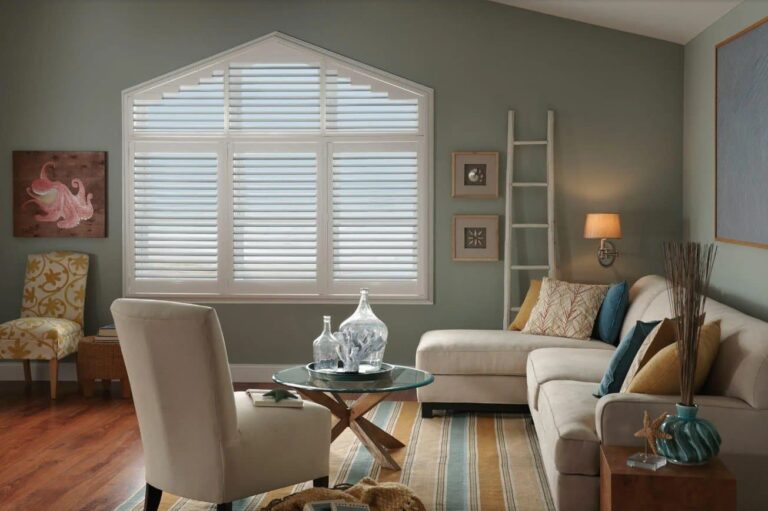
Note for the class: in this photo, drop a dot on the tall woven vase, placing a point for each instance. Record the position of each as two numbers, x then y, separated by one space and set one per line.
694 441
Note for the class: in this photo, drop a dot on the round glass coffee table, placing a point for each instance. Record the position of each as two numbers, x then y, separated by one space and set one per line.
376 440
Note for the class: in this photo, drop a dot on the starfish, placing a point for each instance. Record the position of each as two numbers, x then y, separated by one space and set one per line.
651 431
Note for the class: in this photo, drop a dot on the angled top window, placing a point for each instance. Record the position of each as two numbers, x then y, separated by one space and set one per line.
278 171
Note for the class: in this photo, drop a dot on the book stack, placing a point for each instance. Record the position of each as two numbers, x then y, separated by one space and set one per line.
260 399
107 334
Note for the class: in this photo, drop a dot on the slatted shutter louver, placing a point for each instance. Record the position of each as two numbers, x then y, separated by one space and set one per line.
192 108
358 107
274 97
275 216
175 211
375 217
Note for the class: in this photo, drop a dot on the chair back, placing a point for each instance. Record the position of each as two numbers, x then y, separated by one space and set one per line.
54 286
182 390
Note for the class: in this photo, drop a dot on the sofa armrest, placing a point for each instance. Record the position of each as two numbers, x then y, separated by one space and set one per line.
619 416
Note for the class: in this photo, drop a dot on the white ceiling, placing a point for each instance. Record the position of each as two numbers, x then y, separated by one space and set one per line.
678 21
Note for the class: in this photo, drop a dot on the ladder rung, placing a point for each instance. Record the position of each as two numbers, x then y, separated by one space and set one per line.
530 142
529 184
514 309
529 267
530 226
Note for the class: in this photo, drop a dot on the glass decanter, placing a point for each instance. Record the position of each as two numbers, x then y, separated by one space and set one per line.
364 336
324 348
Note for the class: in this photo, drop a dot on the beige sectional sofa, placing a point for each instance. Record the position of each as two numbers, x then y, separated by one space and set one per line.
557 377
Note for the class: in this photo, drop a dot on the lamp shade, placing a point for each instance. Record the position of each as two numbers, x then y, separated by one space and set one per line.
602 225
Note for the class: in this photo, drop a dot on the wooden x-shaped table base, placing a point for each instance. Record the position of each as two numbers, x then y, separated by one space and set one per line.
376 440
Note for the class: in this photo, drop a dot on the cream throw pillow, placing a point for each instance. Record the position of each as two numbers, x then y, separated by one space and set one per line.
565 309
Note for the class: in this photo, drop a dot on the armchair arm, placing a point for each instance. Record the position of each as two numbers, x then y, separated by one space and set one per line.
618 416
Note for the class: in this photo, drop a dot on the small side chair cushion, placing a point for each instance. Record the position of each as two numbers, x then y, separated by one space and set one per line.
661 337
54 286
38 338
565 309
622 358
610 317
661 375
531 297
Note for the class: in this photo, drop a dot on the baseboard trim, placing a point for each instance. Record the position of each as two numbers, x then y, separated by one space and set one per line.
12 370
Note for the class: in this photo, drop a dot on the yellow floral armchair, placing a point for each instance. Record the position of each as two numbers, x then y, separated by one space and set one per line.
51 323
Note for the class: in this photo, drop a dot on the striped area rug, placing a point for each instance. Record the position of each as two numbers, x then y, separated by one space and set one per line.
453 463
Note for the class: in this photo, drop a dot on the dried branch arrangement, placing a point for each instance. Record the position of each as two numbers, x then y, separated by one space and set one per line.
689 267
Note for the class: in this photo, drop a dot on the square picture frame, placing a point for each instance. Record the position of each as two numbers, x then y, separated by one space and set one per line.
475 175
59 194
475 237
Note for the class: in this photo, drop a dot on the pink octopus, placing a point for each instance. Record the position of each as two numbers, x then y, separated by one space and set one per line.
57 202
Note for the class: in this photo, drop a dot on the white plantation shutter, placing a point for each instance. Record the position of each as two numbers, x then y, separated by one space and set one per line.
275 217
278 170
355 106
189 108
175 204
376 190
274 97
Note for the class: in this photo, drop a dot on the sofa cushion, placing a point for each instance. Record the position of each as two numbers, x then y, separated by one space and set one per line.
660 337
567 418
577 364
488 352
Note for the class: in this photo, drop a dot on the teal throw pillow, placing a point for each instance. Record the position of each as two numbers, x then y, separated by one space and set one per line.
622 358
610 317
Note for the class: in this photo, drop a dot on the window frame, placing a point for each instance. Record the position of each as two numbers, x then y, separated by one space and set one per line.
226 290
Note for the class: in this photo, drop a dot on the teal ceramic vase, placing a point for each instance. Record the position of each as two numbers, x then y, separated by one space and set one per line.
694 441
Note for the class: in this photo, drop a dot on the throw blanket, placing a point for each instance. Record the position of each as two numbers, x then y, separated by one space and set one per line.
379 497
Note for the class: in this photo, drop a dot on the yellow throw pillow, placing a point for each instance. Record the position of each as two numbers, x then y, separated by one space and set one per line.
531 297
661 375
660 337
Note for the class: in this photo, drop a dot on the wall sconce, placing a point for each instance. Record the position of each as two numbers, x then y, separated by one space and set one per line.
602 226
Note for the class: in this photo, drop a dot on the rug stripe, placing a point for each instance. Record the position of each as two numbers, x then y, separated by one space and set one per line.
423 467
363 464
402 431
457 459
488 473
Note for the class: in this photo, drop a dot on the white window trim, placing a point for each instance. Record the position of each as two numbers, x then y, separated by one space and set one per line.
228 293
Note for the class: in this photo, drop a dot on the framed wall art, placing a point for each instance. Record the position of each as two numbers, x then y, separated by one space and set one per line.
59 194
741 131
475 175
476 238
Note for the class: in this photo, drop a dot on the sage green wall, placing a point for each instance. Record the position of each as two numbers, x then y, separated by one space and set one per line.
618 99
740 277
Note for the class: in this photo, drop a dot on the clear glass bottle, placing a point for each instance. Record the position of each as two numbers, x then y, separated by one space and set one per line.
324 348
368 333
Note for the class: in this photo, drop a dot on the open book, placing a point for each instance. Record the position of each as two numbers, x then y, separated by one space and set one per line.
259 399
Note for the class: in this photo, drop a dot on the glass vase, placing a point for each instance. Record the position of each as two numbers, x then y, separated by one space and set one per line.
324 348
365 336
694 441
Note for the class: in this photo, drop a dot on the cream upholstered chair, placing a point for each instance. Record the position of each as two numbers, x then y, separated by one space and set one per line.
51 323
202 440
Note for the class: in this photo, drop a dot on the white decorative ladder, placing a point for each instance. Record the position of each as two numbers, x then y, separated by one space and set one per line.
509 221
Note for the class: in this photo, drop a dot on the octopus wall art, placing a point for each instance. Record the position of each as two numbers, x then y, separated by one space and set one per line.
59 194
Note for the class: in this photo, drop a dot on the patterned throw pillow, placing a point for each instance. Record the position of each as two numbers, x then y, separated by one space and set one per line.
565 309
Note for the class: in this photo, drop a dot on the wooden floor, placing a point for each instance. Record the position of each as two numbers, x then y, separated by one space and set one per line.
73 453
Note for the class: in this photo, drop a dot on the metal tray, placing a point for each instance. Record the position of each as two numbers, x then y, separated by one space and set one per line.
340 375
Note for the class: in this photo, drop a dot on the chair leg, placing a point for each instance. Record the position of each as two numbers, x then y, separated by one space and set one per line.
27 372
227 506
152 498
321 482
53 368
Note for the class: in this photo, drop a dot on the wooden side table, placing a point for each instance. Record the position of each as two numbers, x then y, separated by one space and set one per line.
710 487
100 361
